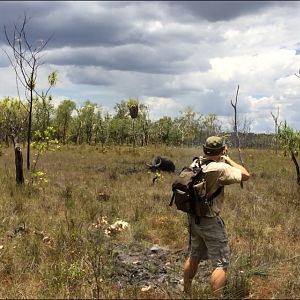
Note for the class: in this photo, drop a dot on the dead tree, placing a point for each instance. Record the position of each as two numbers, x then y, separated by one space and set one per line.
237 139
26 60
275 118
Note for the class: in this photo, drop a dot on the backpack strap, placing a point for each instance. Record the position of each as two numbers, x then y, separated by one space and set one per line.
172 199
207 162
215 194
219 190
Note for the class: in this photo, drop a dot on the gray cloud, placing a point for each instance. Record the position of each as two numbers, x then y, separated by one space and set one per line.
218 10
191 52
79 24
4 61
71 25
127 83
134 57
13 12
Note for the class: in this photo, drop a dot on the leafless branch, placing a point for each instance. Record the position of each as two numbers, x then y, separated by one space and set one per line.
237 143
275 118
26 60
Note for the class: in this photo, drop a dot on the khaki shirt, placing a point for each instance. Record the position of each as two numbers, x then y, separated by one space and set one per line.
218 174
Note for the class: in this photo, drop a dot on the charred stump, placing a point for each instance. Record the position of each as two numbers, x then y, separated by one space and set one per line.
18 162
296 165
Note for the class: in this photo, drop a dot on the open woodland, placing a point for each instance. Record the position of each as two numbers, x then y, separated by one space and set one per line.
85 219
56 241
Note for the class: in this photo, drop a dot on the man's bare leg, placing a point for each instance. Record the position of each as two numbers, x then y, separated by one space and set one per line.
218 281
189 271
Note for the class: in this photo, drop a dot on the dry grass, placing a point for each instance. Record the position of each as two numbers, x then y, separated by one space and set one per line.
54 244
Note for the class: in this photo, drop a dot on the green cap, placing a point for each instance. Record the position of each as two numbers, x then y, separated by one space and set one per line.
214 143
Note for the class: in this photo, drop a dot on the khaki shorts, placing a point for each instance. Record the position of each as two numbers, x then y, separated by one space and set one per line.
209 240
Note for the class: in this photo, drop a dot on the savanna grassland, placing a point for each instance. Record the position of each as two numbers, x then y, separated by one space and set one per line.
54 241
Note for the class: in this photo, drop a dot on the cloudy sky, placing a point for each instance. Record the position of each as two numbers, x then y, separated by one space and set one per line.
168 54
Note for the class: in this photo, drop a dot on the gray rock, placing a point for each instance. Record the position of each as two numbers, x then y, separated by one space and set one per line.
155 248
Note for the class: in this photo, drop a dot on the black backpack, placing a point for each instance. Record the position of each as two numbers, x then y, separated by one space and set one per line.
189 191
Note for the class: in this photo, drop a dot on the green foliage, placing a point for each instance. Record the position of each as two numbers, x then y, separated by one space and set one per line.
52 78
189 126
132 102
13 116
43 110
289 139
39 177
161 130
119 130
121 110
43 141
159 176
63 119
90 124
84 123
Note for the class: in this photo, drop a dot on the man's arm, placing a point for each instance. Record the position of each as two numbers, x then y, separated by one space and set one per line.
245 173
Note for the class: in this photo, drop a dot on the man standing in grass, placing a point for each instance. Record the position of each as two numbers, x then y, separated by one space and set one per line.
208 237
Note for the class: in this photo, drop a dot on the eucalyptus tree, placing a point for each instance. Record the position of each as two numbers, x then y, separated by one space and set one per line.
13 117
161 130
63 118
120 124
289 140
188 126
143 124
85 122
43 112
26 59
88 117
139 114
211 125
121 110
101 127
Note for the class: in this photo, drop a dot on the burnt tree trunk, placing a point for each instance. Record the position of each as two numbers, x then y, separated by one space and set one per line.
296 165
18 162
29 134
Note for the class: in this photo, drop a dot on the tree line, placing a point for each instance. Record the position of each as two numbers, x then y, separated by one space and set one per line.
36 122
90 124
